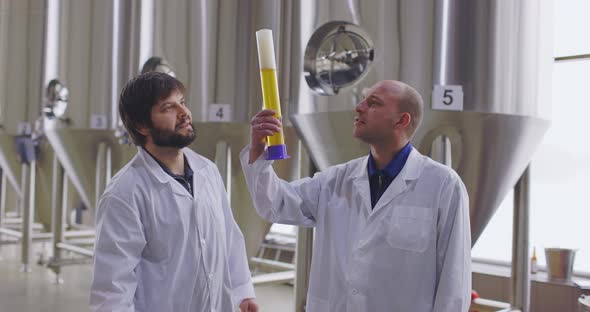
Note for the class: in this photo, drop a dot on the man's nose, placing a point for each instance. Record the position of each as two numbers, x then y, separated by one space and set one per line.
360 106
184 112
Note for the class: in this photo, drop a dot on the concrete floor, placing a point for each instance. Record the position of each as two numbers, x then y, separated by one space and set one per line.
35 291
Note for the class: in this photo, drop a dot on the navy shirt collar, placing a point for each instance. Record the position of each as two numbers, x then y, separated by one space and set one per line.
188 172
395 166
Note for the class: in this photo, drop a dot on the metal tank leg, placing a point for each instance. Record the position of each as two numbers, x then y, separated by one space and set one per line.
3 199
58 190
520 276
304 251
28 210
100 175
303 262
2 206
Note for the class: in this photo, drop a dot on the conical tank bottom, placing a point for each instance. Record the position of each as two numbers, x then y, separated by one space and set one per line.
489 151
9 162
78 152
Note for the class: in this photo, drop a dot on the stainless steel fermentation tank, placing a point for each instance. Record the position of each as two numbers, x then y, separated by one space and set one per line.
82 50
92 62
497 52
206 44
24 208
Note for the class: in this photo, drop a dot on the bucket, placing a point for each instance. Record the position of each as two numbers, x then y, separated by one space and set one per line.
584 303
560 263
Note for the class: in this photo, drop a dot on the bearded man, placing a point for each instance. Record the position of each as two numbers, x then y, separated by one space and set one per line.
166 239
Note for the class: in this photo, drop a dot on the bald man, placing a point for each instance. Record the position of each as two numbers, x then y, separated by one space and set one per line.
392 228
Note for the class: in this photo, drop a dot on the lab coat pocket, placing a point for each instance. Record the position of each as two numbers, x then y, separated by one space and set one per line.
411 228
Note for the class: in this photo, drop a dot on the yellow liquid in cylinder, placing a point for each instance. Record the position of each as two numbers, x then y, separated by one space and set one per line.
270 95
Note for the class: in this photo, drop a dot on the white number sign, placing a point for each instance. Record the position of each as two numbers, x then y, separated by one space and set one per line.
219 112
447 98
98 121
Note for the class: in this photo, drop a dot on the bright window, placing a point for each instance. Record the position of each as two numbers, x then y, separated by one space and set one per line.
560 169
572 22
560 175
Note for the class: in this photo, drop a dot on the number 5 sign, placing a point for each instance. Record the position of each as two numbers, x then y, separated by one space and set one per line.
447 98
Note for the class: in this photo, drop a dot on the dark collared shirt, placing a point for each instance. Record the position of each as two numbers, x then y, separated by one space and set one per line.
185 180
379 180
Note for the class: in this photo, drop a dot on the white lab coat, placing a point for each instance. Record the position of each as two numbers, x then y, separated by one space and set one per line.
410 253
160 249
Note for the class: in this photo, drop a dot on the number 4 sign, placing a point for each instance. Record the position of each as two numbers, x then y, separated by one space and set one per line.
219 112
447 98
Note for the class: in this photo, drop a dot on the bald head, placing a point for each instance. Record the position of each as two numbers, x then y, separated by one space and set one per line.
408 99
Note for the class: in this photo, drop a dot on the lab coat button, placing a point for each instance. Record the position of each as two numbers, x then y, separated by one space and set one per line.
355 291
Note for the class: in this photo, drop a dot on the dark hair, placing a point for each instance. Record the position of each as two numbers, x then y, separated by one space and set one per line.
138 97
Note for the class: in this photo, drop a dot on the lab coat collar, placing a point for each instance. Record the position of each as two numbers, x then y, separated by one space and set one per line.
161 176
413 166
361 183
411 171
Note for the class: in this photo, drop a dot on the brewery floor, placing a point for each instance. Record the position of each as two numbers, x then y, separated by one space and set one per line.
35 291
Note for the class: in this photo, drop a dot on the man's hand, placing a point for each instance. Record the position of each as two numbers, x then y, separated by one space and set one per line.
262 125
248 305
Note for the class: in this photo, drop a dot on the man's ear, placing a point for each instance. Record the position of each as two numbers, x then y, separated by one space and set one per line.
143 130
405 120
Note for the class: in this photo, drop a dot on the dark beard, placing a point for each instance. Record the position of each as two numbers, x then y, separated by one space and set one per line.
168 138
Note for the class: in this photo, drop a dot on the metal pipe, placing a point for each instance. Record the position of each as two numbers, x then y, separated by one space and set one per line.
76 249
69 261
18 221
303 266
520 276
18 235
223 163
99 173
3 198
28 208
2 204
108 169
75 234
304 250
271 264
57 215
273 278
228 172
441 150
12 233
579 57
89 241
447 160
